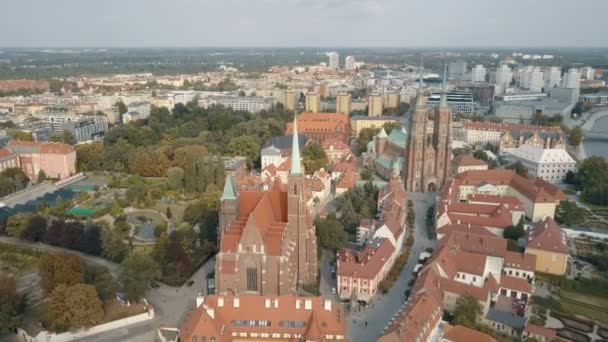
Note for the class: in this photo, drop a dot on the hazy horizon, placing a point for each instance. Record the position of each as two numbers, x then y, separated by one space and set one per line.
303 24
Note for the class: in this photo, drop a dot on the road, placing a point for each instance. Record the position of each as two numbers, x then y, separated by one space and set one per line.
112 267
140 332
384 307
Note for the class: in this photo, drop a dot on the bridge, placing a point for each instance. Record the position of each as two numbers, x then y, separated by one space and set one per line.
588 125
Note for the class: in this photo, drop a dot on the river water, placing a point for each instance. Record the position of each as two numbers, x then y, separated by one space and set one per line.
597 146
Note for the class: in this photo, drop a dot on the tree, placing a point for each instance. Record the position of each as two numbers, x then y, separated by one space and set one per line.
314 157
74 307
116 209
593 176
113 248
16 224
136 272
175 178
467 311
245 146
20 135
365 136
515 232
104 283
569 213
366 175
389 126
122 108
35 229
89 157
56 269
67 137
330 233
9 304
89 241
168 212
41 176
519 168
576 136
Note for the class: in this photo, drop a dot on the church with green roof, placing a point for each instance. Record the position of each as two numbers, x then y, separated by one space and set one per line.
386 152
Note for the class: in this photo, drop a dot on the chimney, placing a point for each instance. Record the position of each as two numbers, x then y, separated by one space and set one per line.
327 305
307 304
236 302
220 302
267 303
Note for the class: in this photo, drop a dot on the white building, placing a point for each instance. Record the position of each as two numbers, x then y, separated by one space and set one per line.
478 73
550 164
349 63
572 79
553 76
334 60
588 73
143 108
535 80
252 104
504 75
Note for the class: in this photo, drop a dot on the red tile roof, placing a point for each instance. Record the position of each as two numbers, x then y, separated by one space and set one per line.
517 284
502 127
4 152
50 148
468 160
540 331
461 333
547 235
365 263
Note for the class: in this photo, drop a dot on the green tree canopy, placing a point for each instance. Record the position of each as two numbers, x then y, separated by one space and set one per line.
245 146
330 233
365 136
593 176
314 157
519 168
576 136
9 304
467 311
136 273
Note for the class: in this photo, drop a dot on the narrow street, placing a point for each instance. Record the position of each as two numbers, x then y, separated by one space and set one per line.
384 307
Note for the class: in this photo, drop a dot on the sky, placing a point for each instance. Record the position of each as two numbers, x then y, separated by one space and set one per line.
300 23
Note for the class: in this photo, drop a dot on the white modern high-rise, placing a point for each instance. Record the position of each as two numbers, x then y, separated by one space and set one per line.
478 73
349 63
524 76
553 76
535 80
334 60
572 79
588 73
504 75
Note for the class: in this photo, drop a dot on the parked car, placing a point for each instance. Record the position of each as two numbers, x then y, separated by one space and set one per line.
190 283
333 290
154 285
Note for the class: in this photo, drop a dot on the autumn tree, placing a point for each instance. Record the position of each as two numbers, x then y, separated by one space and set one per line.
16 224
365 136
113 247
467 311
576 136
56 269
74 307
89 157
175 178
314 157
389 126
245 146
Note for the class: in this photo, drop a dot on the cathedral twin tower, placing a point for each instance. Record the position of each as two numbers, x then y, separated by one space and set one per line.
429 154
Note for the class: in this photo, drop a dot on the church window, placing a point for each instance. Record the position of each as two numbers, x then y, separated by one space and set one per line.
252 279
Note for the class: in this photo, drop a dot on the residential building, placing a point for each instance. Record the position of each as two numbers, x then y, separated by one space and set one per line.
236 167
344 103
391 99
478 73
334 60
56 160
507 135
553 138
143 108
385 153
227 318
322 126
268 244
313 102
588 73
552 77
457 100
8 159
457 70
549 164
336 150
360 122
290 100
539 197
130 117
460 333
572 79
375 105
429 155
599 99
504 75
278 149
349 63
547 241
466 162
89 128
535 80
252 104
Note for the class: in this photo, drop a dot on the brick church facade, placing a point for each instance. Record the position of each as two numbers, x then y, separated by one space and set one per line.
429 155
267 238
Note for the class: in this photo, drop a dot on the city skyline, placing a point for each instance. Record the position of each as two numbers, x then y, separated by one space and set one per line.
270 23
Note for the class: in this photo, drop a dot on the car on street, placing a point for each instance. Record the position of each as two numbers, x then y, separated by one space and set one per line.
154 285
190 283
333 290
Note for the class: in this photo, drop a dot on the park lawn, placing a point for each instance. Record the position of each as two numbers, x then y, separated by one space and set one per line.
112 310
576 308
584 298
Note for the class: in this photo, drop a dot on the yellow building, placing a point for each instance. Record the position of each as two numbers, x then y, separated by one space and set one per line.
313 102
344 103
391 100
548 242
357 123
290 99
375 104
